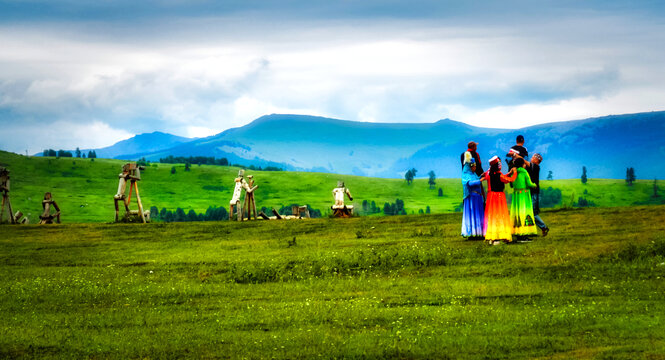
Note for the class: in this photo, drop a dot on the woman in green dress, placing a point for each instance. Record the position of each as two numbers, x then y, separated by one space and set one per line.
521 208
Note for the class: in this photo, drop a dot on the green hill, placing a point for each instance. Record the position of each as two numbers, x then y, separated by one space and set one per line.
84 189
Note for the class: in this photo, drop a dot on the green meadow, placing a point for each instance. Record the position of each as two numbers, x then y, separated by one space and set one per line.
84 189
364 287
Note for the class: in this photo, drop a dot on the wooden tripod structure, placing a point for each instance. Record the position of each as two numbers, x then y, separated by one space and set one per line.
240 185
6 203
340 209
132 173
250 202
46 217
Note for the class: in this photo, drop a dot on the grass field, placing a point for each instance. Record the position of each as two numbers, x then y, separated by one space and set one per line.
84 189
365 287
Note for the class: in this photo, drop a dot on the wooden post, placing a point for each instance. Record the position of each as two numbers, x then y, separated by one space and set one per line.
131 172
2 211
138 199
4 188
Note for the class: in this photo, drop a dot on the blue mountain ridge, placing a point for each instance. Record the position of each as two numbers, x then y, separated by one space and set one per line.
605 145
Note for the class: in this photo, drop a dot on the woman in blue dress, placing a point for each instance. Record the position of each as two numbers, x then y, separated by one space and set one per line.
474 207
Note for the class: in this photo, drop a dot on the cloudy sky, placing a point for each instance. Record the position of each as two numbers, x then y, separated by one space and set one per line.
91 73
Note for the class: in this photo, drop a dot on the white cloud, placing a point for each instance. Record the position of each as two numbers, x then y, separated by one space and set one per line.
61 135
201 76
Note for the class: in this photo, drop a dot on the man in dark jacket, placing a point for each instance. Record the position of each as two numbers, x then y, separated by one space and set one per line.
517 151
534 173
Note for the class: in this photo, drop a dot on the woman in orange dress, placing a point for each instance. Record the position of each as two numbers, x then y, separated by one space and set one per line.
497 218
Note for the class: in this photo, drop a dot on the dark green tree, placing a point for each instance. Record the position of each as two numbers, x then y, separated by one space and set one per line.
427 210
154 213
387 209
630 176
549 175
78 152
584 178
399 207
409 176
172 169
63 153
440 192
550 197
187 166
655 188
180 215
432 177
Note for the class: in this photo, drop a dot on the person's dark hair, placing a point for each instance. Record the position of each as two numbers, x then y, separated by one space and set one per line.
520 139
495 178
519 162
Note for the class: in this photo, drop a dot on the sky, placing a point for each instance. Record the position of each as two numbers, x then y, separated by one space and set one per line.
90 73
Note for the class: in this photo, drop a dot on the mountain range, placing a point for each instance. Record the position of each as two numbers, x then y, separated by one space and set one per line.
606 146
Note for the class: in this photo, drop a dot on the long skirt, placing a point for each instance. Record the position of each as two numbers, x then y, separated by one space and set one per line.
474 216
497 217
521 213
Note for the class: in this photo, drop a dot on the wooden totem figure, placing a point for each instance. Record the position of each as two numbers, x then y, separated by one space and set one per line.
250 202
4 189
240 185
339 209
132 173
46 217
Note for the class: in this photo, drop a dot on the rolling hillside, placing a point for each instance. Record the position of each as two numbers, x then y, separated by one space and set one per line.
84 189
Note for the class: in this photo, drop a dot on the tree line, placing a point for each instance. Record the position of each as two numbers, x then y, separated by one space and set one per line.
213 213
64 153
210 160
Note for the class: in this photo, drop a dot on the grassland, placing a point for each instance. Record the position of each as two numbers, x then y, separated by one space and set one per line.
365 287
84 189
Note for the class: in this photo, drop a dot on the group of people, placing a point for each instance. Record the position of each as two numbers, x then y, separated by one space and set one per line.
485 213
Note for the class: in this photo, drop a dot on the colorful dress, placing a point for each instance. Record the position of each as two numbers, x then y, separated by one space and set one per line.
521 208
474 208
497 218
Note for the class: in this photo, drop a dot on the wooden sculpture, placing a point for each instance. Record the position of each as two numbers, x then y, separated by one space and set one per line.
240 185
339 209
250 202
132 173
4 188
46 217
300 211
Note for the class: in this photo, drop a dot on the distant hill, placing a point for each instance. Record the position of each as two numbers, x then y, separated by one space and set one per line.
311 143
605 145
